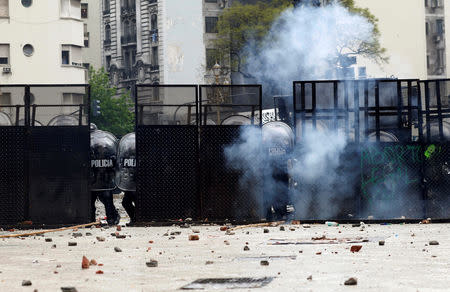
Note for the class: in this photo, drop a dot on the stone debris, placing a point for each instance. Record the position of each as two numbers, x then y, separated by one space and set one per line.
264 263
228 232
246 248
195 230
194 237
99 272
282 228
35 262
306 226
77 234
185 225
85 263
223 228
48 240
26 283
119 228
381 242
295 222
100 238
69 289
351 282
175 233
88 234
309 278
355 248
54 246
292 229
152 264
72 243
121 236
209 262
93 262
266 230
117 249
433 242
226 242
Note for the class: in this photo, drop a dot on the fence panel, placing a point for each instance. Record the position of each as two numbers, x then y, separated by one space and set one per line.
167 153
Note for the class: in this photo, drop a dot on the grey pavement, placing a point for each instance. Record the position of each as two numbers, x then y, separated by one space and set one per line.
405 263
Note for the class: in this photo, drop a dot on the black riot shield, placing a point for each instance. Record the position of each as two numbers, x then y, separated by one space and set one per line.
103 160
126 153
278 143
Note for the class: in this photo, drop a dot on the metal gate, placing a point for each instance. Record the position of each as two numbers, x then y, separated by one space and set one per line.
47 161
389 126
167 152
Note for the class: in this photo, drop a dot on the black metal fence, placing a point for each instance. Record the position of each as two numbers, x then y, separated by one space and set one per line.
181 134
391 167
45 154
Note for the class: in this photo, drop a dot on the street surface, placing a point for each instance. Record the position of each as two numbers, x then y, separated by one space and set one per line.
405 263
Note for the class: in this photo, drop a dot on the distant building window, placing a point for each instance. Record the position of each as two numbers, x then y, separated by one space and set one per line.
154 21
108 62
211 24
28 50
84 10
71 55
428 61
440 26
107 32
86 43
211 58
427 28
4 54
362 72
426 3
71 8
155 57
4 10
210 1
65 57
27 3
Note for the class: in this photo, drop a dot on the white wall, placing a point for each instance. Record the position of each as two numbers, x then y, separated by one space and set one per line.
183 52
402 27
93 54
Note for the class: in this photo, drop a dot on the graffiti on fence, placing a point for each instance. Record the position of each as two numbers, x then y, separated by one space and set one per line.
432 150
388 172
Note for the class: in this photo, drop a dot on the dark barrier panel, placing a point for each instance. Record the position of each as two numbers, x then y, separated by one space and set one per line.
59 155
13 156
225 112
167 153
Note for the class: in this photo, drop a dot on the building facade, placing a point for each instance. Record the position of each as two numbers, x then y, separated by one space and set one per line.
41 43
158 41
91 14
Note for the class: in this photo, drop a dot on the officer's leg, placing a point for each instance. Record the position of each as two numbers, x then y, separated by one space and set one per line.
127 204
111 213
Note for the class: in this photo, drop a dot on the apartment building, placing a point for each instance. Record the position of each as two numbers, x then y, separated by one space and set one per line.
40 43
91 15
159 41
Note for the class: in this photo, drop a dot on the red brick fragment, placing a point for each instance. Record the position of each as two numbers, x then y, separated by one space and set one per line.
355 248
151 241
93 262
119 228
99 272
85 263
100 265
194 237
223 228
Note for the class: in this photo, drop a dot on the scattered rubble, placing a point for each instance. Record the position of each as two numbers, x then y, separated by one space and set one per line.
99 272
381 242
209 262
309 278
69 289
355 248
306 226
119 228
246 248
152 264
100 238
175 233
117 249
194 237
26 283
85 263
281 228
266 230
93 262
264 263
433 242
351 282
77 234
48 240
72 243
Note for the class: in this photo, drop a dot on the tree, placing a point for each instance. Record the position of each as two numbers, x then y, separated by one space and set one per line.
116 112
250 21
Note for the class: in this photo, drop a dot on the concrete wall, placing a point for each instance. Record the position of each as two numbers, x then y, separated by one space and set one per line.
402 27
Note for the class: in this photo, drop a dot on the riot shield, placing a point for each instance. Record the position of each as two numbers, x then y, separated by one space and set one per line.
126 153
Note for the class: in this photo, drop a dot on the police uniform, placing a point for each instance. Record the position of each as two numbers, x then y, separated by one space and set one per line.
126 172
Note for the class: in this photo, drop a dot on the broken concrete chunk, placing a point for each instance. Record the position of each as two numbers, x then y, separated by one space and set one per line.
433 242
100 238
77 234
266 230
351 282
72 243
26 283
246 248
355 248
69 289
152 264
381 242
117 249
48 240
264 263
194 237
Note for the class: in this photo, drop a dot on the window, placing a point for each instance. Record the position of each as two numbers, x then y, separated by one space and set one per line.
427 28
86 36
440 26
362 72
71 55
71 8
4 54
107 32
86 66
428 62
154 22
211 24
426 3
211 58
106 3
108 62
4 8
28 50
84 10
27 3
155 56
210 1
441 58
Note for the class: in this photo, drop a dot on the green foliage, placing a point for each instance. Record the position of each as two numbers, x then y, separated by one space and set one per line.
242 23
116 115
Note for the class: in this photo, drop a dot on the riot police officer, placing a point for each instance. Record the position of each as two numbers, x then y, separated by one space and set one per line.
278 143
125 175
103 163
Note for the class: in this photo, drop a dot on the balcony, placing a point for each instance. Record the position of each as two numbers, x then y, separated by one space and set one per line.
107 42
127 11
128 74
154 37
128 40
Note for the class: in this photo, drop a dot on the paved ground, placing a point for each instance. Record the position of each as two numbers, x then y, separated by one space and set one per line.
405 263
